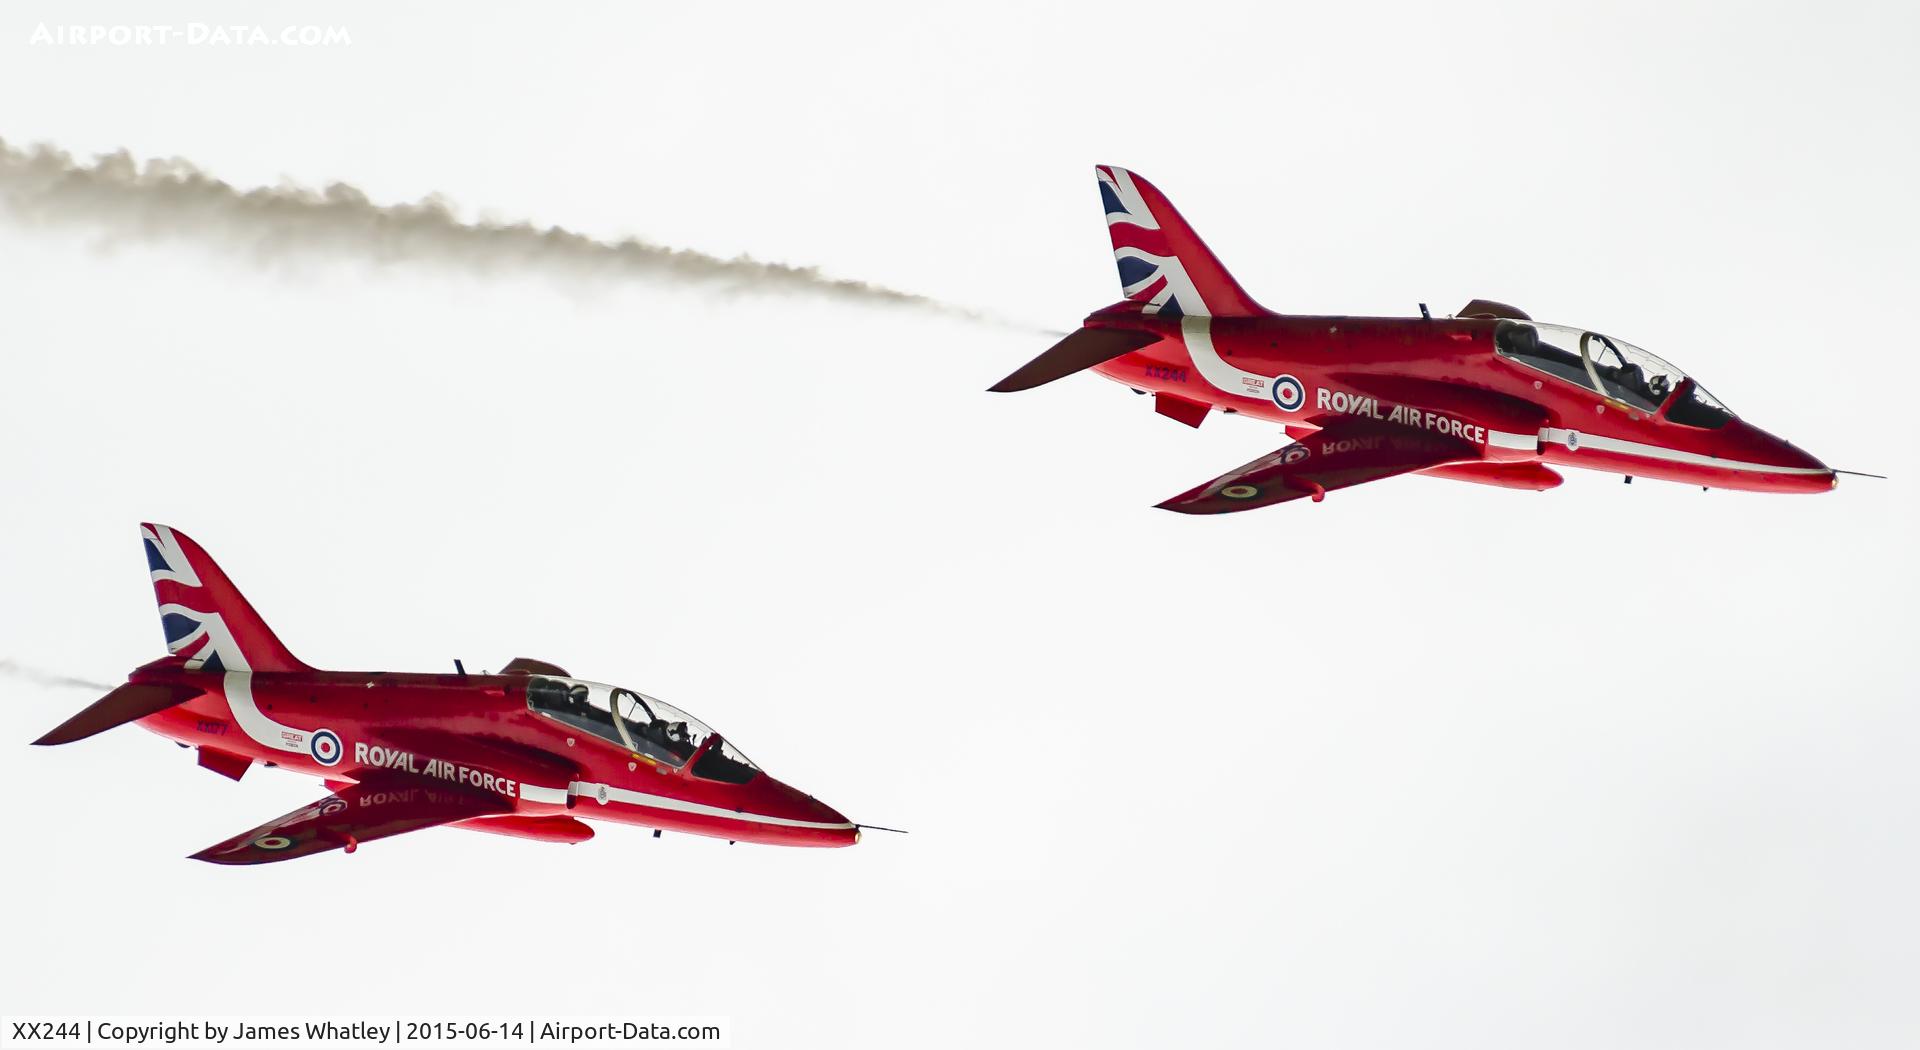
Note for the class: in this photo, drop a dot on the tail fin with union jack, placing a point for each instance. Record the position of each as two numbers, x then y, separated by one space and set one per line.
209 625
1164 265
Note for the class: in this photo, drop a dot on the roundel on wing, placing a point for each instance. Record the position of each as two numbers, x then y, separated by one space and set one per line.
1288 393
1294 454
325 747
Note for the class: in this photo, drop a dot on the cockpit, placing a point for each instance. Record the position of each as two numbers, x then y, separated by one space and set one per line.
649 729
1617 370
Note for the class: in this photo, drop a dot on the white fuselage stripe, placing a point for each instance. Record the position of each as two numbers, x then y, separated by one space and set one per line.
1197 334
238 689
1558 436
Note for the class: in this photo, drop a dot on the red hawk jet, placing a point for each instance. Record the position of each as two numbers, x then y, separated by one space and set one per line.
1490 396
527 752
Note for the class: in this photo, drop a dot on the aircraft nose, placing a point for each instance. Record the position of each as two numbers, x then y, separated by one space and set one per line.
821 813
1800 470
844 832
826 814
825 824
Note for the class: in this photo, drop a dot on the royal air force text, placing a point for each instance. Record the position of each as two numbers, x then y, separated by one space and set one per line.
390 758
1406 415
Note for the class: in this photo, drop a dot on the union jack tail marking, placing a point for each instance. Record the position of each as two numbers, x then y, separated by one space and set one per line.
208 623
1164 265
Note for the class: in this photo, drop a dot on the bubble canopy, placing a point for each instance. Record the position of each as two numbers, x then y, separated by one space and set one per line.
647 727
1613 368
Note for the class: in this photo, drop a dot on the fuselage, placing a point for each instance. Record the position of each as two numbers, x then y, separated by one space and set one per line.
480 732
1446 375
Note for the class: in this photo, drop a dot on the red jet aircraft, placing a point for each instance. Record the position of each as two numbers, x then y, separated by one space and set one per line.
526 752
1490 396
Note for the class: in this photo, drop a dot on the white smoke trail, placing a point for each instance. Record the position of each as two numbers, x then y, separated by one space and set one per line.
11 669
171 200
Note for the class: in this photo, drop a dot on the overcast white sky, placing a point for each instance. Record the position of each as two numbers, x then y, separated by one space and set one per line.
1426 764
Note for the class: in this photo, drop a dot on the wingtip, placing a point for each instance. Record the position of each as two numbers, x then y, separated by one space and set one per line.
66 732
1201 502
213 855
1189 502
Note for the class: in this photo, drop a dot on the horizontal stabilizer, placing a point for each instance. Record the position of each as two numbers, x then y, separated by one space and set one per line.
1077 352
129 703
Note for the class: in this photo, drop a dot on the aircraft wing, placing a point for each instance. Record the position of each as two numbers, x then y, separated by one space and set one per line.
375 808
1349 451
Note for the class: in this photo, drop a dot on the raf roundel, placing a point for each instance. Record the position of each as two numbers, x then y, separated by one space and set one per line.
1288 393
325 747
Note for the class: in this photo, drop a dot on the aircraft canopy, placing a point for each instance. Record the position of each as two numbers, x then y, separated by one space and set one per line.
649 728
1611 367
